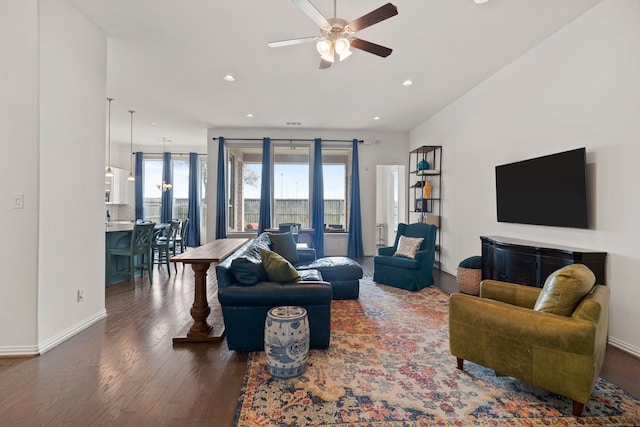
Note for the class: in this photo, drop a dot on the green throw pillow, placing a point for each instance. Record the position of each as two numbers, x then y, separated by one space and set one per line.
564 289
278 269
285 245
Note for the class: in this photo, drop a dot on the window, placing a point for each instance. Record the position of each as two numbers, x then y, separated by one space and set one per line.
231 184
152 195
291 184
180 178
334 175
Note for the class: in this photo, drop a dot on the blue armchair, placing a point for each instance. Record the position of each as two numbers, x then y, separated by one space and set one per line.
407 273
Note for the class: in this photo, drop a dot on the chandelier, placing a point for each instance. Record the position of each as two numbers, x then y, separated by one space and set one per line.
164 185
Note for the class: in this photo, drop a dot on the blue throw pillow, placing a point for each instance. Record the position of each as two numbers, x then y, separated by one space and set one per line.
284 245
248 271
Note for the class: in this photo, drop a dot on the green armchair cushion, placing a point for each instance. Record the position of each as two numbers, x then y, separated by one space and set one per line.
278 269
285 245
408 246
564 289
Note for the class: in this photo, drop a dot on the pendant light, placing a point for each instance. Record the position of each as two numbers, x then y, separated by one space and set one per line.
131 177
109 172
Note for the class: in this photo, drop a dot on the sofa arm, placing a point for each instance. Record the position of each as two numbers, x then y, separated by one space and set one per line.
510 293
306 255
386 251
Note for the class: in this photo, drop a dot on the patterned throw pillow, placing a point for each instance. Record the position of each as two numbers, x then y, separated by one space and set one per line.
408 246
278 269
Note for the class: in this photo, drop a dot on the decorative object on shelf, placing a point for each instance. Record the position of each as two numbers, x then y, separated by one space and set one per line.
424 202
131 177
427 189
164 186
109 172
423 165
286 341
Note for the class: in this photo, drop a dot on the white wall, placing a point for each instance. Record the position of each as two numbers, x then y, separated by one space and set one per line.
579 88
72 124
54 111
19 169
379 148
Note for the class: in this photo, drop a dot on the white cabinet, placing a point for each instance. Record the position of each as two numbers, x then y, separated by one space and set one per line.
116 188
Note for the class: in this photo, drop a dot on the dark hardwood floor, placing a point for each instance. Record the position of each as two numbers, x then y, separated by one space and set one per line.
125 371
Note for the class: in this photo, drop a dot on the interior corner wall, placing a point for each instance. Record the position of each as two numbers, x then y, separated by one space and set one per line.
380 148
19 166
578 88
73 59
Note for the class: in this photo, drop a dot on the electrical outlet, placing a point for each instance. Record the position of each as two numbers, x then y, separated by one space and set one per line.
80 295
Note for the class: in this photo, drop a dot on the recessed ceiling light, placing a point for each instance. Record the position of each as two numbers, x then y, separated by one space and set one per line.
376 118
480 1
249 115
229 78
407 82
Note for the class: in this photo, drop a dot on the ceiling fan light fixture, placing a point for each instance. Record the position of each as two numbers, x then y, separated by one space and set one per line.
323 47
342 46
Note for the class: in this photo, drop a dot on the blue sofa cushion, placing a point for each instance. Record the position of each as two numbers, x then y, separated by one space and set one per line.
248 270
271 294
395 261
334 268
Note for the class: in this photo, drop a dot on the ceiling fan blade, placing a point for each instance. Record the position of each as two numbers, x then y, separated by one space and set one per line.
376 49
373 17
310 10
290 42
324 64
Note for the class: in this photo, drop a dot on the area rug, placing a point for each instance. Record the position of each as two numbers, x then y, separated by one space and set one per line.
389 365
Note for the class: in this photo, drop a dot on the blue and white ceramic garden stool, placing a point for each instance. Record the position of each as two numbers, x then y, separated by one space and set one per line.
286 341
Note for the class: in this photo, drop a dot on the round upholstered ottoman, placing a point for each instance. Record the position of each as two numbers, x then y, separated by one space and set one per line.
469 275
286 341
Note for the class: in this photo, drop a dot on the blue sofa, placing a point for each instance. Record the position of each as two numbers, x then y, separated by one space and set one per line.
246 295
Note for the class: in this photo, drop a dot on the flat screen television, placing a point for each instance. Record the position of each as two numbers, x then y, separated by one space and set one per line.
548 190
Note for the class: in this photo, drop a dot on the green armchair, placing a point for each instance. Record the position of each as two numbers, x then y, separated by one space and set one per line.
411 273
502 331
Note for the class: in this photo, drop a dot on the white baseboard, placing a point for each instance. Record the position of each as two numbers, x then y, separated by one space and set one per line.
625 346
22 351
69 332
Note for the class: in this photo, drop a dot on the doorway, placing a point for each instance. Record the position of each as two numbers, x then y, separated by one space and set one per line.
391 206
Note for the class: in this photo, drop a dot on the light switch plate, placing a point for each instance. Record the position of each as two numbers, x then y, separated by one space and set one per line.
18 201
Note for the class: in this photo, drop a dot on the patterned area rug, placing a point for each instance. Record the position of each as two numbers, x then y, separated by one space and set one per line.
389 365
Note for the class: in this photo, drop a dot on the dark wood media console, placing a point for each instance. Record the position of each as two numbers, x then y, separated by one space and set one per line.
530 263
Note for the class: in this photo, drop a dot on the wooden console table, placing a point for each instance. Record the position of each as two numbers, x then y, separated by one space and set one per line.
530 263
201 259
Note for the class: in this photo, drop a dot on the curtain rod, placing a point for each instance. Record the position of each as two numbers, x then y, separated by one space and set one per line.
289 139
172 152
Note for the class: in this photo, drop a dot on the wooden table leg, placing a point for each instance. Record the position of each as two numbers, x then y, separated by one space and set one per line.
200 330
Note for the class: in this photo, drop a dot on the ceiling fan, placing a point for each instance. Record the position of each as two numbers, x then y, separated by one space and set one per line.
338 36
